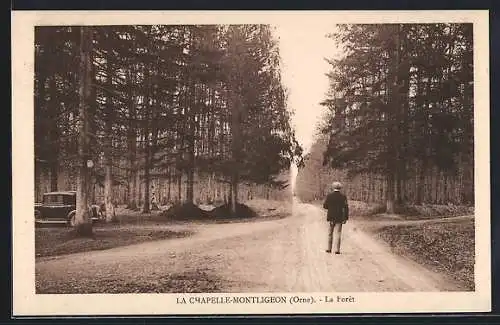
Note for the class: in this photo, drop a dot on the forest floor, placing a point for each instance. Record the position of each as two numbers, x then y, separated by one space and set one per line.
439 237
267 255
445 245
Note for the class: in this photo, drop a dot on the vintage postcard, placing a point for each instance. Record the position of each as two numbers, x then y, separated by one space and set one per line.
250 162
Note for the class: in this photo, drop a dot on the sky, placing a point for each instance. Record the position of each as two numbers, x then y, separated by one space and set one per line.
303 49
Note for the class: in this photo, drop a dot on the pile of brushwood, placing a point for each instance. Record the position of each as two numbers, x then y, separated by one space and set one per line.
189 211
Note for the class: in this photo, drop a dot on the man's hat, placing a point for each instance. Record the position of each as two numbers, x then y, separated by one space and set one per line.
336 185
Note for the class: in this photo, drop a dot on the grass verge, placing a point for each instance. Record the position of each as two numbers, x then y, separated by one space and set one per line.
445 246
61 240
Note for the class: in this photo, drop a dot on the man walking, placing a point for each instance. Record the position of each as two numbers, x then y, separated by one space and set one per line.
337 215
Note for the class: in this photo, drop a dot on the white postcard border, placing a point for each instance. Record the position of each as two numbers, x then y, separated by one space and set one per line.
27 303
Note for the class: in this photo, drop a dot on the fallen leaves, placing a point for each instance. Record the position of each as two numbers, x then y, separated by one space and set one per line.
446 247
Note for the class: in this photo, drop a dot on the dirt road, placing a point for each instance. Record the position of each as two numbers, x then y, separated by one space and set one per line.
286 255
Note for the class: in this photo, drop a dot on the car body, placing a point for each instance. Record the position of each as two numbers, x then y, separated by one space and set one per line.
60 206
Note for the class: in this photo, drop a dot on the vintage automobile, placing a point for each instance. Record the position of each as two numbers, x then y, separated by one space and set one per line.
61 207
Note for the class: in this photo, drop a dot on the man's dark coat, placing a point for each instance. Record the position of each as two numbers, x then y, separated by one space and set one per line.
338 209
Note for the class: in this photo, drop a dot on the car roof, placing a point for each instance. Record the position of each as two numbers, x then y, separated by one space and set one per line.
61 193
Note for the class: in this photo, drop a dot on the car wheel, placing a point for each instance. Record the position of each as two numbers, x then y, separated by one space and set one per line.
72 219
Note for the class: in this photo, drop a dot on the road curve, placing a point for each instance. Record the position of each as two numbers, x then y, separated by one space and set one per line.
286 255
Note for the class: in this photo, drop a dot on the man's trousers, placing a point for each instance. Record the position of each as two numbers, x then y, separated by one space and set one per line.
335 230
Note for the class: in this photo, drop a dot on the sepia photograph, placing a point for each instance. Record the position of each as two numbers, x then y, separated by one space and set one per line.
275 163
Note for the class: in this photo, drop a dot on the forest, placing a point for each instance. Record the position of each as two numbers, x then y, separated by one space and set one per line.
399 122
188 114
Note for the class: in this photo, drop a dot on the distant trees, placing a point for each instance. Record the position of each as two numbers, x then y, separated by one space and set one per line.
168 107
401 111
262 142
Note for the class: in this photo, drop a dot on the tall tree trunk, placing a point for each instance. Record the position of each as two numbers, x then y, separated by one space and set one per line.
38 191
147 145
210 196
54 174
179 187
153 197
108 187
445 188
421 181
147 157
92 111
45 113
180 164
146 208
235 150
468 106
132 193
221 146
40 115
83 222
392 140
138 186
108 147
54 136
390 193
132 148
403 99
169 189
190 144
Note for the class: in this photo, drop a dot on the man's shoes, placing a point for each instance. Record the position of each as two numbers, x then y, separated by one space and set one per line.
328 251
337 252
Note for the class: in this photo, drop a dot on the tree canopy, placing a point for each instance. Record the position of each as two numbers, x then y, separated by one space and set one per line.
400 106
166 101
